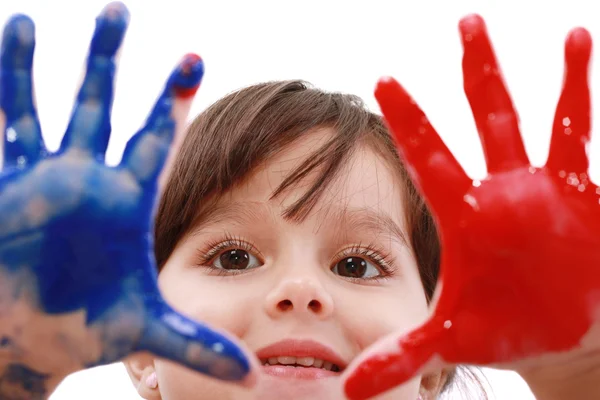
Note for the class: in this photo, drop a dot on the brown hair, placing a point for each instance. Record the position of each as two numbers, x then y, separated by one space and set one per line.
244 129
231 138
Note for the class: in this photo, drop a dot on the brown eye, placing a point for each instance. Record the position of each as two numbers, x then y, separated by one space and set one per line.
355 267
236 259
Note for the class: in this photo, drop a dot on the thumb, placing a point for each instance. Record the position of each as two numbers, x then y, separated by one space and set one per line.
170 335
394 360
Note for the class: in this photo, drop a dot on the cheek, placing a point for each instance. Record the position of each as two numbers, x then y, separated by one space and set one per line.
208 299
371 315
176 382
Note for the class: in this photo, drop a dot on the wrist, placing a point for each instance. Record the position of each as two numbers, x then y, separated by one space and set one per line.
21 381
574 375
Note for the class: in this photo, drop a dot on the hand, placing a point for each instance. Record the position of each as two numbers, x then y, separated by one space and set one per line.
77 272
521 249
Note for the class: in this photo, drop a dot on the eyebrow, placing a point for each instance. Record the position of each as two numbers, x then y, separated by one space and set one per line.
241 214
347 218
371 221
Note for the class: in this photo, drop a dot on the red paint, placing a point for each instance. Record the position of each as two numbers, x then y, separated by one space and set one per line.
186 93
521 249
189 67
189 61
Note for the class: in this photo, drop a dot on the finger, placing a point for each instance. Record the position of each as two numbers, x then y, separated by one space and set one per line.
394 360
89 128
571 130
186 85
23 143
492 108
432 167
147 151
169 335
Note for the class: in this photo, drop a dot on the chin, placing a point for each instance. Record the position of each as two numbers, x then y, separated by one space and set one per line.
271 387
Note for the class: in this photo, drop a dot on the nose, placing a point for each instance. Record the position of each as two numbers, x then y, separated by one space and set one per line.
302 296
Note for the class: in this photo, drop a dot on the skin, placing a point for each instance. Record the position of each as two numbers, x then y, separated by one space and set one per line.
77 285
296 262
520 248
51 228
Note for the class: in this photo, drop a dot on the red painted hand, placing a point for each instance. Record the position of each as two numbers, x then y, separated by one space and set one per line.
521 249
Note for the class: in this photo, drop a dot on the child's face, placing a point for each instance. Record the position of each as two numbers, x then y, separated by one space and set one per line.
318 280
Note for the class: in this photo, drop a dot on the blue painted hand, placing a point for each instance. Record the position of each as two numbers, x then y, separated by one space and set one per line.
77 272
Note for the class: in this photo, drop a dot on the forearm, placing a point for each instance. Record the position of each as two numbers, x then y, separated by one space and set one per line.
37 351
20 381
583 387
575 376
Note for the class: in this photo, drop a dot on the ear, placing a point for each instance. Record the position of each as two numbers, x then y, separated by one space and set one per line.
432 384
140 368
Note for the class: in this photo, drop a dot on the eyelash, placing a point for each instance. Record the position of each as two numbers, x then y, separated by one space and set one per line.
383 260
212 249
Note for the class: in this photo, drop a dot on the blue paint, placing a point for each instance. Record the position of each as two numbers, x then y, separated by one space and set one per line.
191 69
23 141
20 382
191 78
82 229
89 129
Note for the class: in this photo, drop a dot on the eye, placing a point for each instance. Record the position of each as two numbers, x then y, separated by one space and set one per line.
236 259
369 262
355 267
229 254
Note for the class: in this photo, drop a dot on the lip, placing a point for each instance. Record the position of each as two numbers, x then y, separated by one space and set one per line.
300 348
308 373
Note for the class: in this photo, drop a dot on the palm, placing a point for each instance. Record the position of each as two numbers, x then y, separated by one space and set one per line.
507 256
77 270
520 249
73 209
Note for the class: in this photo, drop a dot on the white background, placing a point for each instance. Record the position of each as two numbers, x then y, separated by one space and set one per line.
336 45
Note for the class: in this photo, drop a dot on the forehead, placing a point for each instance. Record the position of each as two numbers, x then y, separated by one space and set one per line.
365 181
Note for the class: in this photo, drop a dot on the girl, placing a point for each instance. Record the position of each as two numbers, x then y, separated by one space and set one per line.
291 209
289 220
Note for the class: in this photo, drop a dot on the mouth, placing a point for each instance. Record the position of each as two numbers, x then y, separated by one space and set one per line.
301 362
300 359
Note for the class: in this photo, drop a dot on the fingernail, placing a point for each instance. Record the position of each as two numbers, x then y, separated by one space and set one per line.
115 10
578 46
111 25
152 381
189 63
21 28
188 76
472 24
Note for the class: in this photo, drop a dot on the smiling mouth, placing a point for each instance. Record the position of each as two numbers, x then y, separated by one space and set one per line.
301 362
300 359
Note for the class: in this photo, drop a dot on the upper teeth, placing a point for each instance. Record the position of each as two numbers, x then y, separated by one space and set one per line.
303 361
